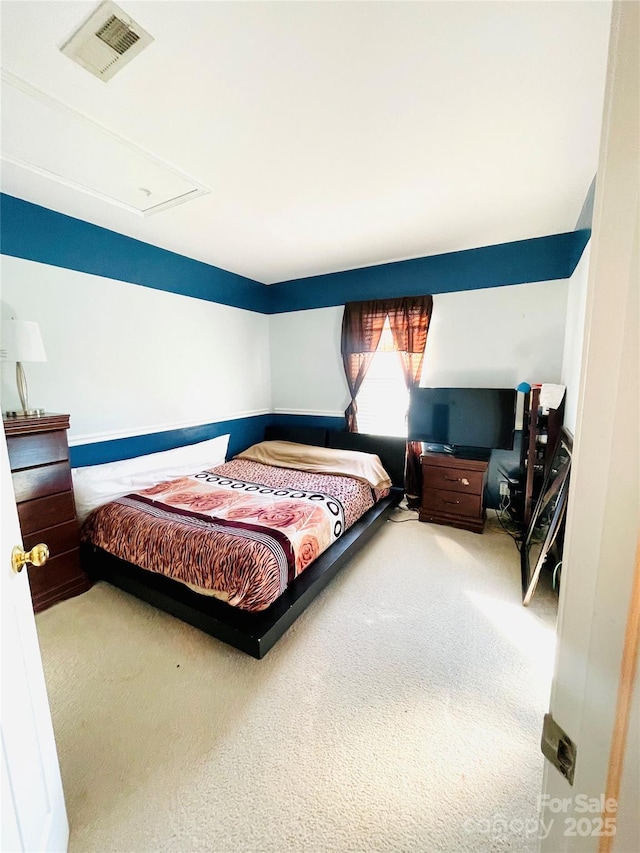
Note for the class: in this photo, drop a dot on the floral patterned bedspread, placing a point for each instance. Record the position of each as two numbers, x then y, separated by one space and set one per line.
241 531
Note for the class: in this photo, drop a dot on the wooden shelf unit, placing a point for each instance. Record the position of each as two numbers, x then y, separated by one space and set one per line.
540 435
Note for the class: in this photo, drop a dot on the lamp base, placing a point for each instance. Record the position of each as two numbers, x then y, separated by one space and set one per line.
29 413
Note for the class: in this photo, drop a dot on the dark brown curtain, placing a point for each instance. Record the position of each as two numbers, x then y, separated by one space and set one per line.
362 325
409 322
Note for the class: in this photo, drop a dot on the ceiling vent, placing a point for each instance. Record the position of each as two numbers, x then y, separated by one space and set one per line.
107 41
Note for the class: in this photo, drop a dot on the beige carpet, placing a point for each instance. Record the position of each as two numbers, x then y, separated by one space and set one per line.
402 712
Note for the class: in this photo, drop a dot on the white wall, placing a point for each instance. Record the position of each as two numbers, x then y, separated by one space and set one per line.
497 337
307 376
125 359
573 338
491 337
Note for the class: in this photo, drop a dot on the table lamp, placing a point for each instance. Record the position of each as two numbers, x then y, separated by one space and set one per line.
22 341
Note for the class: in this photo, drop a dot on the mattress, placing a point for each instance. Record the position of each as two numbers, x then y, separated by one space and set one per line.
241 531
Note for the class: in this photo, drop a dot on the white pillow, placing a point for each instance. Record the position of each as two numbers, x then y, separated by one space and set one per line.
95 485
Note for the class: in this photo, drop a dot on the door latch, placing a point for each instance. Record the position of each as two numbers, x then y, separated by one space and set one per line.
558 748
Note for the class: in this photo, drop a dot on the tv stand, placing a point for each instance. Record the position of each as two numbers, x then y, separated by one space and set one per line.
453 491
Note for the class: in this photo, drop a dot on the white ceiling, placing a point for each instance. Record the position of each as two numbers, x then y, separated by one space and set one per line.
332 135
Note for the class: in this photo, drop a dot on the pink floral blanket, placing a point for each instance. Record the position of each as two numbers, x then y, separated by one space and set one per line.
242 531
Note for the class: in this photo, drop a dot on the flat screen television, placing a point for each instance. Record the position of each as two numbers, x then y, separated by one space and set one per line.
463 419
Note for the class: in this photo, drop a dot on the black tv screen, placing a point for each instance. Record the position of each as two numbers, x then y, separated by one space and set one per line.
463 417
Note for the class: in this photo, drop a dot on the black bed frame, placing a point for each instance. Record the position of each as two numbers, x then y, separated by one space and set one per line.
256 633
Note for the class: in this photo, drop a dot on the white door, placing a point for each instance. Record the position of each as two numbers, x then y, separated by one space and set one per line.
33 811
594 698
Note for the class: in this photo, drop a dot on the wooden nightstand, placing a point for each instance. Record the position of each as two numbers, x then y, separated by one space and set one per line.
39 459
453 491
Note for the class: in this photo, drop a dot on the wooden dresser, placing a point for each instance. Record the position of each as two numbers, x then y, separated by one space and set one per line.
453 491
39 458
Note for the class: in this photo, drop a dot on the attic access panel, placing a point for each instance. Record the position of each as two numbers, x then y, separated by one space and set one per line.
50 138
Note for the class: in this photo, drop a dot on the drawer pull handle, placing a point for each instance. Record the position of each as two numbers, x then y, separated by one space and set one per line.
462 480
37 556
451 502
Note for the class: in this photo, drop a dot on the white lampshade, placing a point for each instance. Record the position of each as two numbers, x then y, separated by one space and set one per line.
22 341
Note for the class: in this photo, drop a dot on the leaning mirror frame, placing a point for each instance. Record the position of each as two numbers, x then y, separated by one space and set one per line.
547 517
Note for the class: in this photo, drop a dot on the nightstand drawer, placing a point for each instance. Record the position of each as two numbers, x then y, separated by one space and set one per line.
27 451
453 491
39 482
61 538
46 512
452 503
454 479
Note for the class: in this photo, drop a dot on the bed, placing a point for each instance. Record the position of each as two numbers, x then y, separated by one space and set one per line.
240 549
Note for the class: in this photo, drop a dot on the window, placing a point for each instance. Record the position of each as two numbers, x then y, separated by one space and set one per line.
383 398
382 348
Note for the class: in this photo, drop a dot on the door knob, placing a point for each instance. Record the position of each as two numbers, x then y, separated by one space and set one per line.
37 556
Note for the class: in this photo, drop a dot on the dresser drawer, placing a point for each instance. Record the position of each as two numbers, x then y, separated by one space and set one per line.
46 512
453 479
59 578
26 451
43 487
61 538
38 482
452 503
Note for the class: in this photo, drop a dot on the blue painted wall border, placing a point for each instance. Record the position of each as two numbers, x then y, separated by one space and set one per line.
243 432
538 259
39 234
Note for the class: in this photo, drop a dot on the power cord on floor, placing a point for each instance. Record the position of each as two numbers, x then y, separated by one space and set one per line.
503 523
403 509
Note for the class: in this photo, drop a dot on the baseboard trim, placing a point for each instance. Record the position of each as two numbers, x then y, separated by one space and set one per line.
313 413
